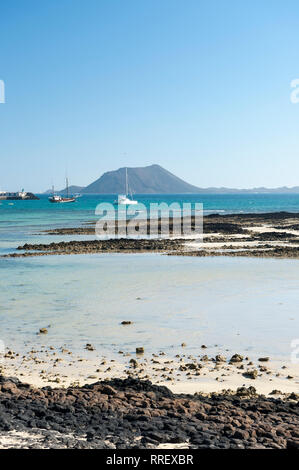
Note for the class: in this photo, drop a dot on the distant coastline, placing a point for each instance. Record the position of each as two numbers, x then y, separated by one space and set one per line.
154 179
280 190
17 196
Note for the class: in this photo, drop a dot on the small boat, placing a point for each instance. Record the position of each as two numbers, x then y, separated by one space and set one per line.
123 199
57 198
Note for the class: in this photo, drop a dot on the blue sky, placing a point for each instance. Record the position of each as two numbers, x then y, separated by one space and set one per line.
201 88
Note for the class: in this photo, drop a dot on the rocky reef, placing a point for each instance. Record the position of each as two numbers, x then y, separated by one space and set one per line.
131 413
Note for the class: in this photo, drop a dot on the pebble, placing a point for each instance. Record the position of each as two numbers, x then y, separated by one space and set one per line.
43 331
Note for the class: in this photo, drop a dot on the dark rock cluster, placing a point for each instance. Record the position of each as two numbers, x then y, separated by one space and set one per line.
127 245
225 229
136 414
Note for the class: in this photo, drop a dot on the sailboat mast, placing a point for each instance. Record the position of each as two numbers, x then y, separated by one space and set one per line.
67 187
126 181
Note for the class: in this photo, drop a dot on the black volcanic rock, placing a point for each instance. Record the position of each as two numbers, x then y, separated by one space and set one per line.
138 414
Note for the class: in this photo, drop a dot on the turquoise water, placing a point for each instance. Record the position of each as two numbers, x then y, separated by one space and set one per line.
37 213
245 305
21 221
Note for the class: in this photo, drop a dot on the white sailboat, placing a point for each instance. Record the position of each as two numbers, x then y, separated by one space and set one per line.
123 199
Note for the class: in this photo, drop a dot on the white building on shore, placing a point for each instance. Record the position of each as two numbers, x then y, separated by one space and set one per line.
14 195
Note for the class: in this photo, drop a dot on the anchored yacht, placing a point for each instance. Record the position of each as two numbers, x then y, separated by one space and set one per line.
124 199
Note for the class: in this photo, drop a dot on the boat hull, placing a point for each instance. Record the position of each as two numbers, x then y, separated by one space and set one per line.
124 200
125 203
62 200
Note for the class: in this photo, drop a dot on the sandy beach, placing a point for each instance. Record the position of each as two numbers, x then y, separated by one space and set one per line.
181 373
60 400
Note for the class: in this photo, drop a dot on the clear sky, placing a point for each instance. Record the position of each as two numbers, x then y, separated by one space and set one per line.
199 87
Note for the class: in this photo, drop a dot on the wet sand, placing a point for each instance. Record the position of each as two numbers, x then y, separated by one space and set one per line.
181 372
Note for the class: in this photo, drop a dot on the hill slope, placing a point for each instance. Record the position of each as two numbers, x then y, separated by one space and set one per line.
154 179
151 179
72 190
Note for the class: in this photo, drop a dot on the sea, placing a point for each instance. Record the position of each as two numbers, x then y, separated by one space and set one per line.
243 305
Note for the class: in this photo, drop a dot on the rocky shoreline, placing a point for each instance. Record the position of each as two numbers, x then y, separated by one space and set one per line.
132 413
116 404
52 398
269 235
123 245
18 197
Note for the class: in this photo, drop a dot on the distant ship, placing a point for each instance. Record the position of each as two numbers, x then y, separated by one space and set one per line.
57 198
17 196
123 199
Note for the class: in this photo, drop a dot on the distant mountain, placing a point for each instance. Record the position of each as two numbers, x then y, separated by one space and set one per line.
72 190
154 179
151 179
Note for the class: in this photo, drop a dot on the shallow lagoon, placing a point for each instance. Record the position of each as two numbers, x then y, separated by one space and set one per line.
239 304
